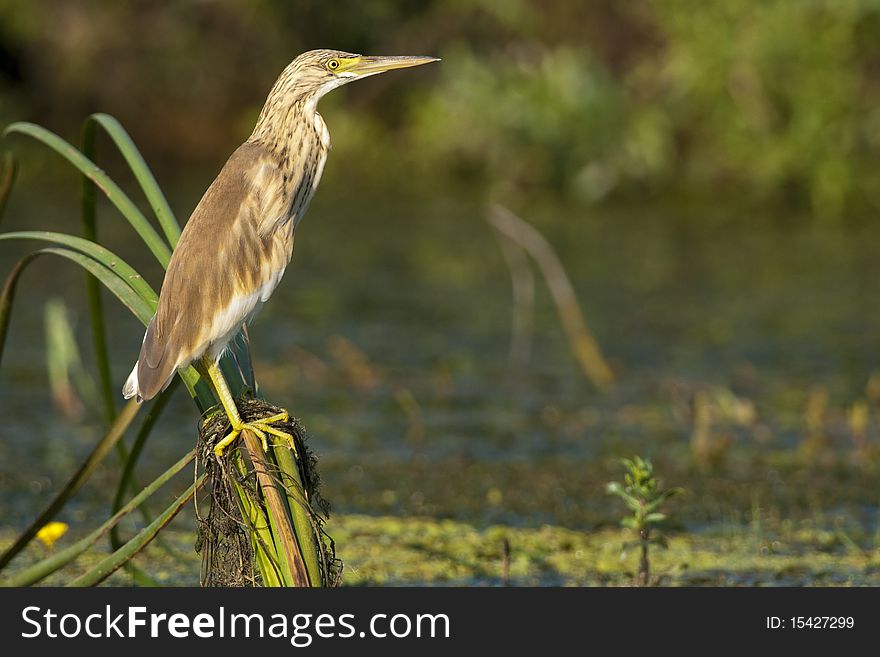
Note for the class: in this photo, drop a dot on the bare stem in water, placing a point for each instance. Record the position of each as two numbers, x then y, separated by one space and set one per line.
583 344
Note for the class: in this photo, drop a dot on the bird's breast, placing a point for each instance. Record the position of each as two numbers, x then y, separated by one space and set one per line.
289 175
309 170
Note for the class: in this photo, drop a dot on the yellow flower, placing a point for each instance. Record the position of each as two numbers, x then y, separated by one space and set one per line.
51 532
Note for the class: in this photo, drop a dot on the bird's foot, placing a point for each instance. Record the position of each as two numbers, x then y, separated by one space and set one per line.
262 429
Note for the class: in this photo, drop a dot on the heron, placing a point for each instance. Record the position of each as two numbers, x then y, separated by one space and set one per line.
239 239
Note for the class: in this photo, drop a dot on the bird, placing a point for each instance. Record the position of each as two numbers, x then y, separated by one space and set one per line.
239 239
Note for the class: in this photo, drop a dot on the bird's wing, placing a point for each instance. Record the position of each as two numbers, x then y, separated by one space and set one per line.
222 257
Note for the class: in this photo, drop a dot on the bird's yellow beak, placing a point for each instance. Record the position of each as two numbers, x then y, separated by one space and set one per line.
367 65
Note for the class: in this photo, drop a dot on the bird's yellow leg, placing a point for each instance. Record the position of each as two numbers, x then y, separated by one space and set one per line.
259 427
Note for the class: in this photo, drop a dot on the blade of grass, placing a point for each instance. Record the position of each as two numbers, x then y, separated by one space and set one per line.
121 556
106 184
93 288
96 252
7 296
95 300
139 168
7 178
76 481
47 566
160 207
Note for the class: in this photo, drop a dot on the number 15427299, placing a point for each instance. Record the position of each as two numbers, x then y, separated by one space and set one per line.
810 622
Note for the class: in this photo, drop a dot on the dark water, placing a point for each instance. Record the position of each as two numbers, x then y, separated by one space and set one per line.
390 333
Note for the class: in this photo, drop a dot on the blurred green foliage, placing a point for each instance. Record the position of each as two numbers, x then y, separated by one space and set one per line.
757 100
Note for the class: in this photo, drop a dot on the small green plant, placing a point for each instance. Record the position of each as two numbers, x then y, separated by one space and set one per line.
642 495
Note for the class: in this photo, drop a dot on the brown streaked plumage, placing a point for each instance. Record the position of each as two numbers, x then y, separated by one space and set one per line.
239 239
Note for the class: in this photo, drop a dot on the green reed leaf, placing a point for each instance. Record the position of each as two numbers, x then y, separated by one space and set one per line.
106 184
138 167
97 253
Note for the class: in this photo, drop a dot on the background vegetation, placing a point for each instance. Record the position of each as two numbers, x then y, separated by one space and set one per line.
779 100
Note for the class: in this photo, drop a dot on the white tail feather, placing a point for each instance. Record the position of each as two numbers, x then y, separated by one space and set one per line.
130 389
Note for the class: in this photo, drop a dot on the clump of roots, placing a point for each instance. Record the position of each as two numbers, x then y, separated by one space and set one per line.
225 535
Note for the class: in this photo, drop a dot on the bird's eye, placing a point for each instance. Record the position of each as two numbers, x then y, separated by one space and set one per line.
333 64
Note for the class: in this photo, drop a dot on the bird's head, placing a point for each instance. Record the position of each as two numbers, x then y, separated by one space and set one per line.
316 72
